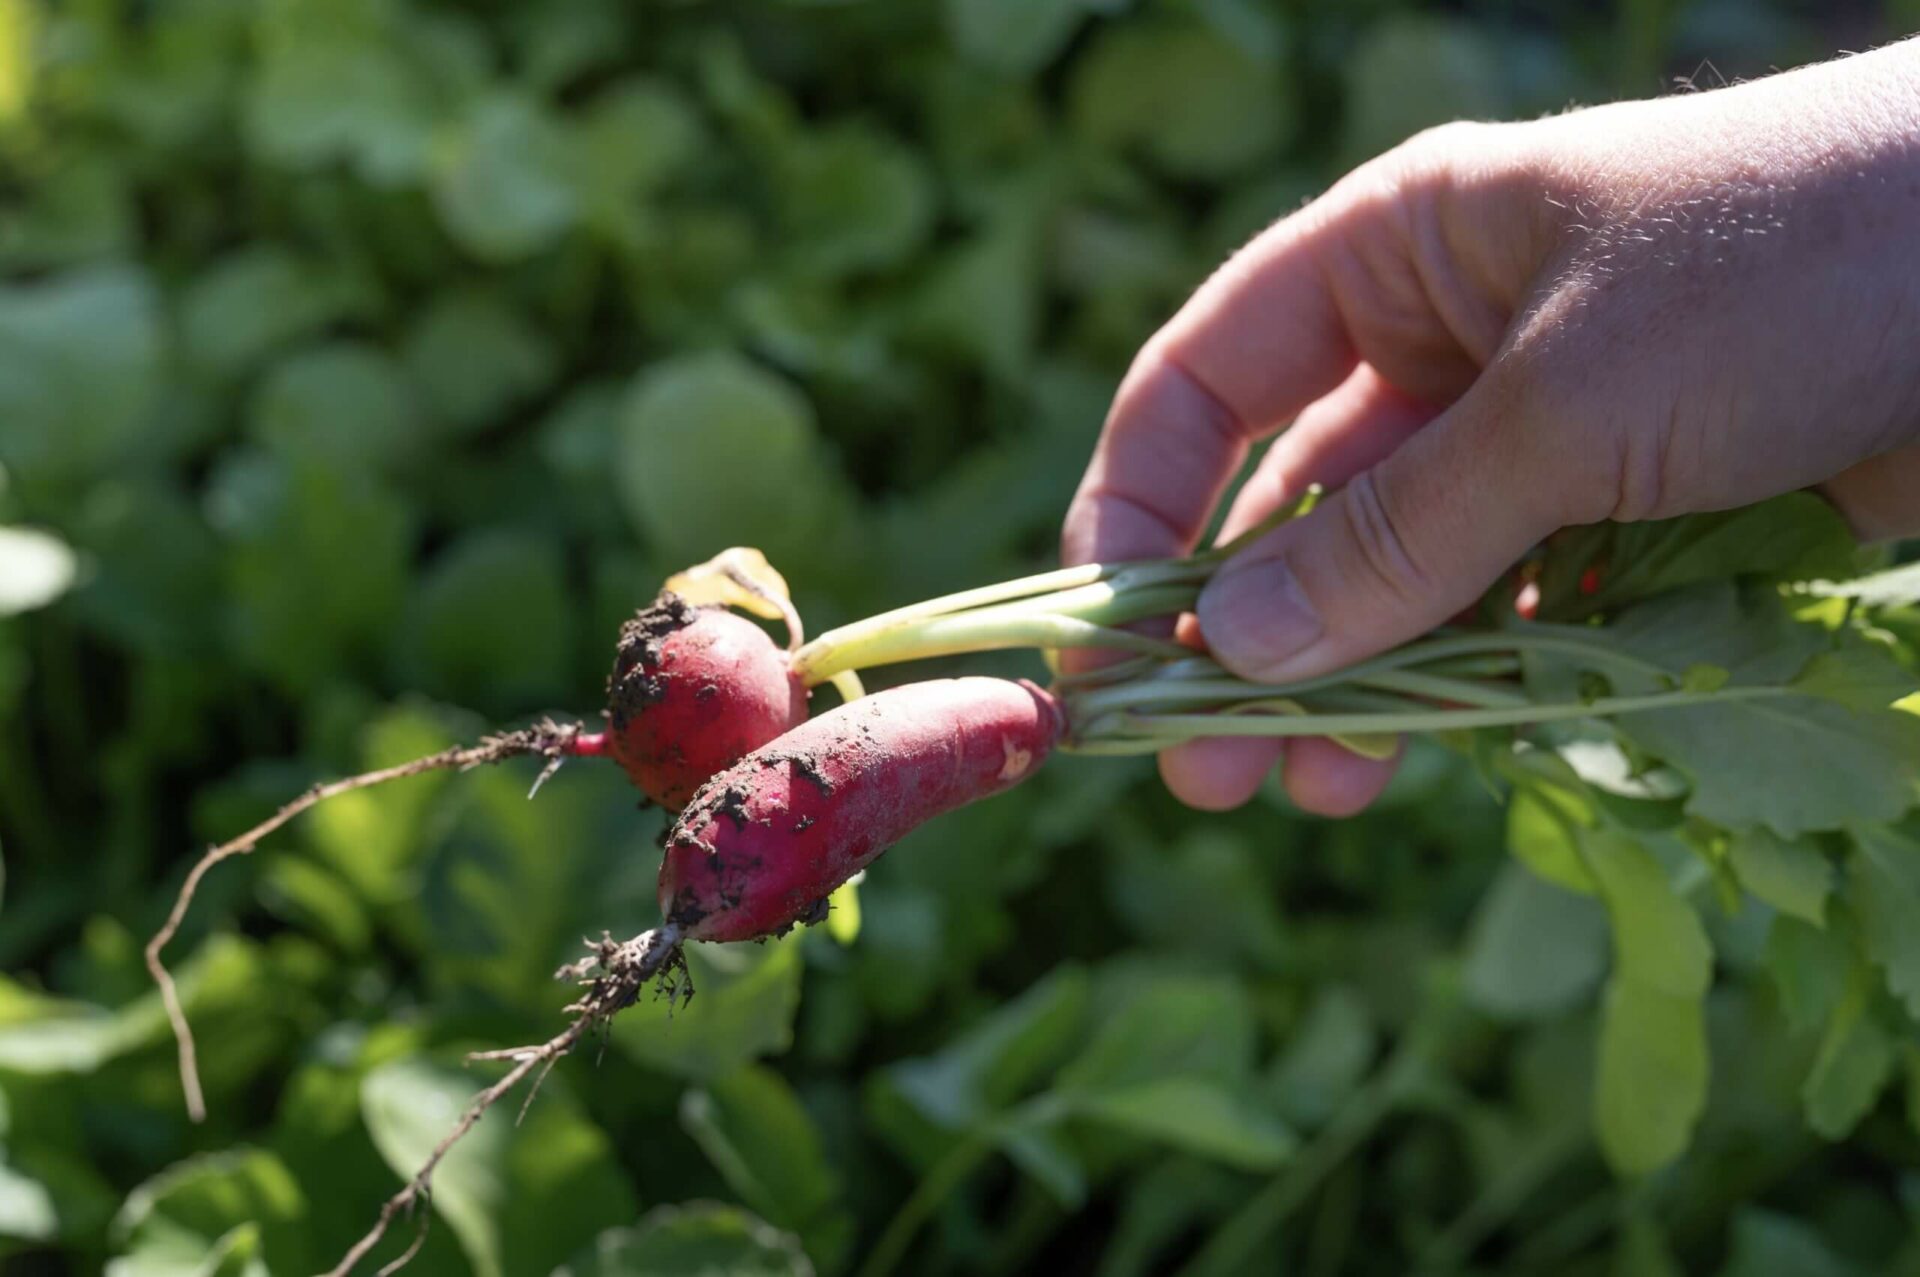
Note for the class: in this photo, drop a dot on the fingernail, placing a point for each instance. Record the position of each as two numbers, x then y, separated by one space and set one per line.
1256 618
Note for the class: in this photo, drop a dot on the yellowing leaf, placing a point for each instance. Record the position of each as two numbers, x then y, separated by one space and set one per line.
843 911
737 577
17 28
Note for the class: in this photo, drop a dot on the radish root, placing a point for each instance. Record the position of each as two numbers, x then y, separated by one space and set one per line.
613 975
552 741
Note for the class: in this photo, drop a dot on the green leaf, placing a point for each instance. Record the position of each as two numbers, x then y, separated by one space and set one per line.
1657 936
153 563
1410 72
502 179
1165 1025
490 624
764 1144
1794 877
1794 763
79 353
1810 967
247 997
980 300
1652 1084
1885 871
1014 37
1701 678
236 1211
995 1061
333 84
49 1193
1767 1244
717 451
519 1197
852 199
475 359
1544 824
373 837
1854 1064
635 136
1860 674
1792 537
743 1009
254 301
343 404
704 1239
1534 948
1195 1115
1325 1057
1194 103
1642 1250
35 569
317 565
1207 893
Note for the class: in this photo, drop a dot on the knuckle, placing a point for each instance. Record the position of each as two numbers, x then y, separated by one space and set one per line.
1378 540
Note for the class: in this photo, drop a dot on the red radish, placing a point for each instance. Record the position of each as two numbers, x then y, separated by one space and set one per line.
764 842
693 690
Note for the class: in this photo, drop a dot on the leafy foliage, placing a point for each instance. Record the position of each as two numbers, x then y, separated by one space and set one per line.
364 363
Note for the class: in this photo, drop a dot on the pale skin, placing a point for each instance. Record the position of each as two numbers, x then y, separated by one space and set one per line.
1497 330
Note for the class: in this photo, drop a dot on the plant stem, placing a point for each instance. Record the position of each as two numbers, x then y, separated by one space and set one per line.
986 630
942 1179
1231 1248
1129 725
1102 593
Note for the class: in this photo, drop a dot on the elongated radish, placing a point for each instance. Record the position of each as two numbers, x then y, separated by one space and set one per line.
764 842
693 690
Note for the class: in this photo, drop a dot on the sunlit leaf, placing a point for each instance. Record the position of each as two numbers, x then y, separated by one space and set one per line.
737 577
519 1197
35 569
231 1212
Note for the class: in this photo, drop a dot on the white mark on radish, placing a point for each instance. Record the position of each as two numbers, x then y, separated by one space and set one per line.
1018 760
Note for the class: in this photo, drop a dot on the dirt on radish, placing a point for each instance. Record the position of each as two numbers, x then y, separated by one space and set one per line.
694 689
765 842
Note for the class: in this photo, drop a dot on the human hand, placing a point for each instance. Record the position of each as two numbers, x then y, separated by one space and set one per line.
1495 331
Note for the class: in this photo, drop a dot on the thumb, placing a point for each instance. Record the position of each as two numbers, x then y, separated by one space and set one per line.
1399 550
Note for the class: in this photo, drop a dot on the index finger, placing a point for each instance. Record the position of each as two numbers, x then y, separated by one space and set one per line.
1257 342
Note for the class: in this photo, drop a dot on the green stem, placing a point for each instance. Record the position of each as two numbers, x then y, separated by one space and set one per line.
1232 1247
1497 1202
1093 589
1103 593
1127 725
986 630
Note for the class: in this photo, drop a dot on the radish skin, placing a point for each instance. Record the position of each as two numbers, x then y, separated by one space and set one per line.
765 842
694 690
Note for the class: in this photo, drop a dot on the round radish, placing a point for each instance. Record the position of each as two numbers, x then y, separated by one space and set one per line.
764 842
693 690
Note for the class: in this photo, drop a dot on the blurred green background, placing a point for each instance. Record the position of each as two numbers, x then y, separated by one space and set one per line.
364 363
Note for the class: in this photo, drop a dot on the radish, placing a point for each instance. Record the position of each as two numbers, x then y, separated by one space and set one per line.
765 842
694 689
